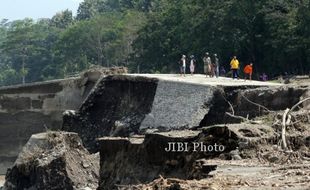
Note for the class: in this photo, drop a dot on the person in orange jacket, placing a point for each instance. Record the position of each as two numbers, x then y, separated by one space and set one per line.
248 70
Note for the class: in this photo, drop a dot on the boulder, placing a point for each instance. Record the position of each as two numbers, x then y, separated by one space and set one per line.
53 160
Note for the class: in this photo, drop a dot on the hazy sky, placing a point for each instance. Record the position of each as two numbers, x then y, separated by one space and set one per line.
20 9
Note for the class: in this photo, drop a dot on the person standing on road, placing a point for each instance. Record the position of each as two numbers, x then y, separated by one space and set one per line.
207 65
216 65
192 64
183 65
234 65
222 71
248 70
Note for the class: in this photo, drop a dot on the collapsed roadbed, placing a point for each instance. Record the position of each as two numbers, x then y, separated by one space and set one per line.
171 132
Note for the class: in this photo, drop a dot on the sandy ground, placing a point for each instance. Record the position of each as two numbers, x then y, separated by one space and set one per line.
203 80
242 175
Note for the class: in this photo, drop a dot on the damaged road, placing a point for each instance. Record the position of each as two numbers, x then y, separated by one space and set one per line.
186 154
168 135
251 160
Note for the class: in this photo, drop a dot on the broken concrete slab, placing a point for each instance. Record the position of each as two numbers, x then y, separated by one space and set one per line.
251 102
34 107
178 106
53 160
127 105
179 154
115 107
124 161
200 79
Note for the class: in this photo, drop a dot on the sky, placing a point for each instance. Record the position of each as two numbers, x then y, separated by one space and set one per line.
20 9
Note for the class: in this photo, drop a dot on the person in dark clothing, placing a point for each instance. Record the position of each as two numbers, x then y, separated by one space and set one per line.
216 66
183 65
222 71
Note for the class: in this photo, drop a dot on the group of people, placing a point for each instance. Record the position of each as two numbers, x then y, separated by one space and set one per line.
212 67
234 65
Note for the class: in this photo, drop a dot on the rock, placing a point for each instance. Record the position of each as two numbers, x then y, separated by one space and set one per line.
275 185
235 154
85 165
69 113
52 160
222 157
213 187
236 157
243 144
273 159
126 161
175 186
86 188
94 73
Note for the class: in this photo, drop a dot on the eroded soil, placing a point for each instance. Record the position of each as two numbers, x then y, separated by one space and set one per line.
239 174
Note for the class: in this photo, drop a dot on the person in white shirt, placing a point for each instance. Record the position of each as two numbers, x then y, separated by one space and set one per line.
207 65
192 64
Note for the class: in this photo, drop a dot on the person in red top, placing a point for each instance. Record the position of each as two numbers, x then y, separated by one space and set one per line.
248 70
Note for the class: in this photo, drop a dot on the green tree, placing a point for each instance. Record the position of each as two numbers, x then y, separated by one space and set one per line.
91 41
62 19
303 35
90 8
18 45
268 33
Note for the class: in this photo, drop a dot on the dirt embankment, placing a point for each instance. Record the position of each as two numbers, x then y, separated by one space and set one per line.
238 175
54 160
250 158
152 139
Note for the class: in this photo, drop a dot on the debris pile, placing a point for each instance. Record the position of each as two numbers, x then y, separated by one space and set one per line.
182 154
53 160
154 134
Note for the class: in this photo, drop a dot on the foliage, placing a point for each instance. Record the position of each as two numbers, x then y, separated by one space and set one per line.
269 33
151 35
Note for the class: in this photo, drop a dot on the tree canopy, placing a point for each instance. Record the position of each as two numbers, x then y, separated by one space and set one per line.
151 35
